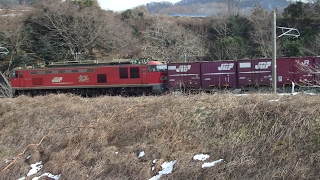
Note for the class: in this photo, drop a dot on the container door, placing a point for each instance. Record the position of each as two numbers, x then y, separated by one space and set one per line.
184 75
244 73
262 72
218 74
284 72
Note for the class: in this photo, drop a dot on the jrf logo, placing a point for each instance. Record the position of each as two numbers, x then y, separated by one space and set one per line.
263 65
183 68
83 78
305 62
56 79
225 67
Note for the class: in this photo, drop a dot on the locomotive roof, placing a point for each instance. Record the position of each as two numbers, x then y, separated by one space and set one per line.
93 63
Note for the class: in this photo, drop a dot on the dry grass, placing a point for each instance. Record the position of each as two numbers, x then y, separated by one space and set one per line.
257 138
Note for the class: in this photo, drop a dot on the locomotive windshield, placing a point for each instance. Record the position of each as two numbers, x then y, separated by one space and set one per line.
157 68
14 74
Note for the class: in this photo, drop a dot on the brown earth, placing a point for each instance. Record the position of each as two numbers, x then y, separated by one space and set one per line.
100 138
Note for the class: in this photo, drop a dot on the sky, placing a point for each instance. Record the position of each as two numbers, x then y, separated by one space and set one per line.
121 5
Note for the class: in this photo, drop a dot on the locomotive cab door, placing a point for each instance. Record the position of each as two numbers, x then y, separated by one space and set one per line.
20 77
14 78
144 75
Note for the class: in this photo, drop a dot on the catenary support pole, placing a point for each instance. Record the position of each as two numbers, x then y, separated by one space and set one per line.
274 52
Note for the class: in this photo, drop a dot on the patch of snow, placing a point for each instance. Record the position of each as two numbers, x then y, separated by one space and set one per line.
241 94
7 161
275 100
312 94
141 154
49 175
287 94
201 157
153 162
23 178
117 152
211 163
28 157
35 168
167 168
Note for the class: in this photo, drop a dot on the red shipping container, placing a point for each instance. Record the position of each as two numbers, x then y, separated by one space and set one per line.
288 71
218 74
254 72
284 72
184 75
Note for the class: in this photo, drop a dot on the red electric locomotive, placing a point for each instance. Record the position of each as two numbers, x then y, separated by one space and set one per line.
115 77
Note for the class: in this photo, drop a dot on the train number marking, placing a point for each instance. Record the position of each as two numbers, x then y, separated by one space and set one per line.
56 79
83 78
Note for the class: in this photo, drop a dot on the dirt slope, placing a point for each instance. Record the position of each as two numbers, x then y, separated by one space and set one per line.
258 137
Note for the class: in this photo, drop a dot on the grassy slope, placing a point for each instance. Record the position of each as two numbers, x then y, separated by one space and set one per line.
258 139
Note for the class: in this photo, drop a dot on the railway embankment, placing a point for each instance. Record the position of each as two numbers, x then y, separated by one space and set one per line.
202 136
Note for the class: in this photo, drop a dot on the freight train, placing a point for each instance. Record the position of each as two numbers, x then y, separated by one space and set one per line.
243 75
153 77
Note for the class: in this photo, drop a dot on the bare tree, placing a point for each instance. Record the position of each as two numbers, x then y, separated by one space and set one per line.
261 35
312 47
13 34
84 30
168 41
225 45
313 69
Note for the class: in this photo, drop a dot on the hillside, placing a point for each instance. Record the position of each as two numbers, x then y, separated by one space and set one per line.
213 7
237 137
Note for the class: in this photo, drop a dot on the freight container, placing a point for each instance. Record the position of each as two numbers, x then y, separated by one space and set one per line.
300 77
284 72
254 72
218 74
184 76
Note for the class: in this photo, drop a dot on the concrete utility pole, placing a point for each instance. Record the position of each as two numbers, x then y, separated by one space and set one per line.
285 32
274 52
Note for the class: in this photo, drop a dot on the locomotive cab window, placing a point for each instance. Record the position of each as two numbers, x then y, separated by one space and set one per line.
123 72
134 72
14 74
